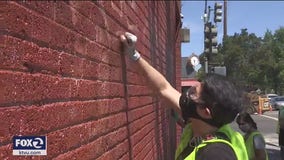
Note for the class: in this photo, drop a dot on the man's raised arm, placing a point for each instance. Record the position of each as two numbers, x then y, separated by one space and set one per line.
156 80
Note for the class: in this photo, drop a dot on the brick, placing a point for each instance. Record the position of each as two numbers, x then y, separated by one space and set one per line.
99 89
85 69
135 90
116 152
155 153
28 24
6 151
134 78
37 120
65 15
144 151
138 147
136 16
12 53
113 12
109 31
39 88
139 112
64 140
22 87
134 102
70 18
132 16
91 11
140 123
18 55
95 148
46 8
125 157
107 8
102 54
143 14
140 134
98 15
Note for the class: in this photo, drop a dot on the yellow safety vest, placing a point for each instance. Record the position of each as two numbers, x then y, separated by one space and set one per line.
184 140
250 146
236 142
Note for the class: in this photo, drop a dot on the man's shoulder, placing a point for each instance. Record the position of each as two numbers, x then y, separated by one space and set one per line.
258 141
216 151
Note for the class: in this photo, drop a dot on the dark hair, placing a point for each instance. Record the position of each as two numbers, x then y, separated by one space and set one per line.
222 98
245 117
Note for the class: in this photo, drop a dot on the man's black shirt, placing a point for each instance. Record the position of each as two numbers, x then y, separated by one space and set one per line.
216 151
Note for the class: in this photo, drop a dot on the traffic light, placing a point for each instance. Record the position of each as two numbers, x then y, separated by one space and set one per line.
207 38
210 39
214 39
217 12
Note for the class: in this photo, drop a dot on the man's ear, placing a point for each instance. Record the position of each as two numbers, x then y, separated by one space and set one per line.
204 112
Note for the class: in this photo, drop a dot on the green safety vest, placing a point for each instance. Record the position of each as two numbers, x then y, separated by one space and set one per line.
236 142
184 140
250 146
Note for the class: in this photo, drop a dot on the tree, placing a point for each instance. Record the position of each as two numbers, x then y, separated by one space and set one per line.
278 55
253 61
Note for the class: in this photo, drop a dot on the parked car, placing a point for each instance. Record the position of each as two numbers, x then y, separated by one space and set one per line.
277 102
269 96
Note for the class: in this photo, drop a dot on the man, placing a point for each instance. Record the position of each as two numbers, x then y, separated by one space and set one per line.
254 140
209 106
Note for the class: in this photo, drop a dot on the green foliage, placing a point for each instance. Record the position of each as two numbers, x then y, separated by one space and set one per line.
254 61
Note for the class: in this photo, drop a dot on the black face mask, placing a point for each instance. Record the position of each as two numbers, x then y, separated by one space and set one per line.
189 109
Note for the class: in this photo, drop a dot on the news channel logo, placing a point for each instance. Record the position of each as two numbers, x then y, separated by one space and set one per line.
29 145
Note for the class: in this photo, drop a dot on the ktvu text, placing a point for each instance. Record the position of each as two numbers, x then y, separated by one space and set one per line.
29 145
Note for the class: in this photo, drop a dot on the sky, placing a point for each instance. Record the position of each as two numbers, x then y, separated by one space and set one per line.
256 16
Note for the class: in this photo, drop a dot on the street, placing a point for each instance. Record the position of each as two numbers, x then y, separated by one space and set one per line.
266 124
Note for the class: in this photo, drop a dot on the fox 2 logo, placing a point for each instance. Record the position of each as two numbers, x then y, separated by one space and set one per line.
29 142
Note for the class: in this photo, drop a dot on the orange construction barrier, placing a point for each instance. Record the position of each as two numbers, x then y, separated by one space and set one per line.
263 105
259 110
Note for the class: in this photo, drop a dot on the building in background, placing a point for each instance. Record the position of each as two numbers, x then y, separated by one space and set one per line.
188 73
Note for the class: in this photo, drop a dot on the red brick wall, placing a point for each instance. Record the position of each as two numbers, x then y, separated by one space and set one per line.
62 75
178 82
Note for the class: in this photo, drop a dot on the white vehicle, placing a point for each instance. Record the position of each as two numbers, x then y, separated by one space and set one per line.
269 96
277 102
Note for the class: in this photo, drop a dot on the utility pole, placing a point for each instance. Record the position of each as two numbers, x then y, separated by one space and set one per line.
205 11
225 19
205 18
210 32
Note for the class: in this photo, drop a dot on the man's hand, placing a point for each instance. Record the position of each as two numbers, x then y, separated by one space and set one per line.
129 40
